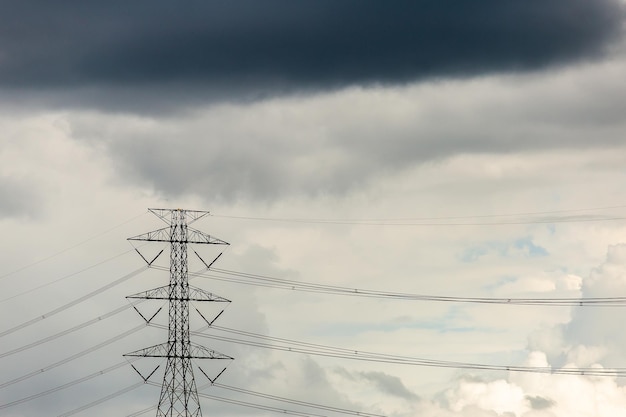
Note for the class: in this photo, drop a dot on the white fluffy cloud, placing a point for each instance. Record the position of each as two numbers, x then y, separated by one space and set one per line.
591 339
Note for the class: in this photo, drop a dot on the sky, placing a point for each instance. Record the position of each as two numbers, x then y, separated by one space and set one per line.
465 150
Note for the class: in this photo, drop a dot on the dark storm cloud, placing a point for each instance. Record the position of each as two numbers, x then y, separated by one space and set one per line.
249 47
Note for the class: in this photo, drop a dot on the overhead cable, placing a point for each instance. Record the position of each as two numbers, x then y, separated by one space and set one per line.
67 385
252 405
82 242
70 330
74 302
73 357
64 277
291 285
267 396
296 402
439 221
101 400
287 345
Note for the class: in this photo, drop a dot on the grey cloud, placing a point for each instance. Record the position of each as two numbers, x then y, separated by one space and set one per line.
116 53
333 144
18 199
389 384
540 403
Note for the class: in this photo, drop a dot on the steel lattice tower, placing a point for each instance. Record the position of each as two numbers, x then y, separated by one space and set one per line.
179 395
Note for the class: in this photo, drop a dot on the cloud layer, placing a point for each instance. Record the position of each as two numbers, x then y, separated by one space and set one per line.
246 48
332 144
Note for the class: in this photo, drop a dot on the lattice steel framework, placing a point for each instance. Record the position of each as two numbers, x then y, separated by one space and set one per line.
179 395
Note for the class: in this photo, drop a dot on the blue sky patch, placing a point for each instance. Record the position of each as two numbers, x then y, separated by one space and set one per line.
524 246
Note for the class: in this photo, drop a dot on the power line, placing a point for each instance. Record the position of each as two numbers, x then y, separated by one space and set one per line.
72 357
291 285
499 223
144 411
262 407
343 353
79 380
436 221
259 406
82 242
64 386
73 302
101 400
70 330
66 276
252 405
297 402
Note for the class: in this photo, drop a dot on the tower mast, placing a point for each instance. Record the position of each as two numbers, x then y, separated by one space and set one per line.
179 395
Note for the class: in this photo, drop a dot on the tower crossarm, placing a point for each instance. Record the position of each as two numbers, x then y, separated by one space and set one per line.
163 350
192 236
163 293
201 352
191 215
156 351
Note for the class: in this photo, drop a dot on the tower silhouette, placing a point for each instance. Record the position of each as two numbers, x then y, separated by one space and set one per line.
179 395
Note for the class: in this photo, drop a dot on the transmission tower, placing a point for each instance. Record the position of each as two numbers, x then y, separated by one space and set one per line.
179 395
